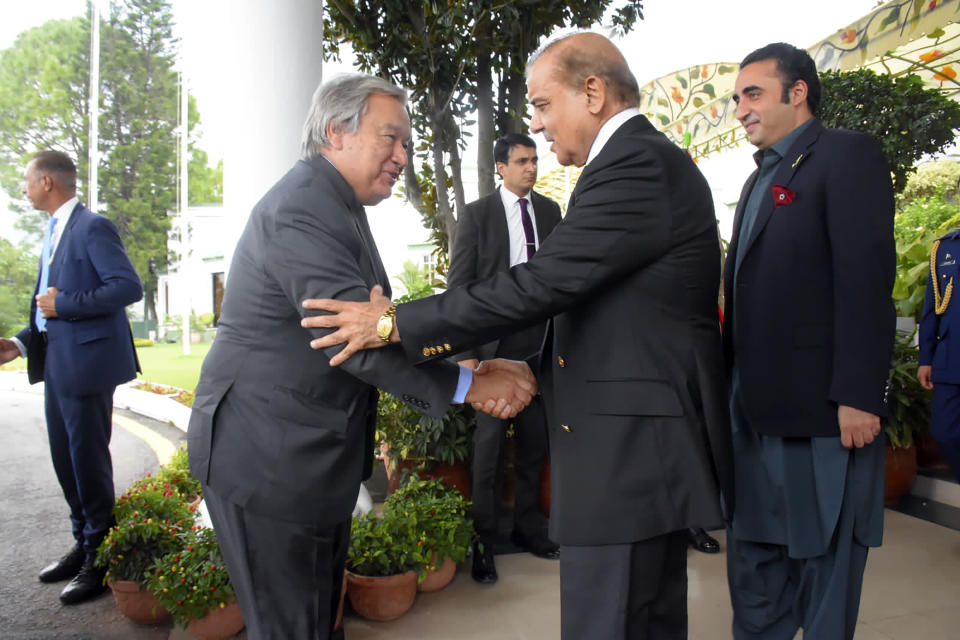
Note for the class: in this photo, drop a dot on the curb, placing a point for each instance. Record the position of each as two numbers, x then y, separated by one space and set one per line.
150 405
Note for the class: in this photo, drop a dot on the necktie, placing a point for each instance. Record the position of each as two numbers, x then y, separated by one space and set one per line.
45 270
527 228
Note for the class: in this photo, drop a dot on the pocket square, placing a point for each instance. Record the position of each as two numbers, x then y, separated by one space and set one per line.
782 196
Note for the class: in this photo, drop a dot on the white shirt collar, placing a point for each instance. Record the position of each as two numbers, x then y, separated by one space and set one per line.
510 199
608 129
62 214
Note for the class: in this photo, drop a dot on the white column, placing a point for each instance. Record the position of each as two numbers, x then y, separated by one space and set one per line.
265 70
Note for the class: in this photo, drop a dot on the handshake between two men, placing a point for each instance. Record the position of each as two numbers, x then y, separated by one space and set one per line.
500 387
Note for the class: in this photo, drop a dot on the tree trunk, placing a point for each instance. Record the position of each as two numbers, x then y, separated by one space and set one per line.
485 135
444 213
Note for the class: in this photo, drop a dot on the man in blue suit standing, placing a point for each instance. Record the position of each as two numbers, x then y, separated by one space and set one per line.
939 368
78 342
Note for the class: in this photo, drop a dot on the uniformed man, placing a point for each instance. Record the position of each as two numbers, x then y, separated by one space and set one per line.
939 352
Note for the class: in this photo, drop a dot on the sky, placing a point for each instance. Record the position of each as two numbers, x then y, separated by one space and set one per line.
673 35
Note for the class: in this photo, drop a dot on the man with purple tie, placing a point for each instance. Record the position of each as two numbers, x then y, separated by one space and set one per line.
496 232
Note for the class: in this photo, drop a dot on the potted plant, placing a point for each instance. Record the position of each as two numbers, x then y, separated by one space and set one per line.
433 447
192 583
442 520
383 558
174 478
909 412
149 522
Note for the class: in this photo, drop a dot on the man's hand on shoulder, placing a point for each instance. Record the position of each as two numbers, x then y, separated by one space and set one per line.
355 324
502 388
8 350
857 428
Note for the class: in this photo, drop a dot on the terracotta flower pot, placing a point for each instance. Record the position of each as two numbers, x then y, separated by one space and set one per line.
439 577
901 471
218 624
137 603
453 475
382 598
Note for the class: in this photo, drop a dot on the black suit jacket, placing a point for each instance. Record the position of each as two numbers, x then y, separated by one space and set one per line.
274 427
632 369
482 246
810 317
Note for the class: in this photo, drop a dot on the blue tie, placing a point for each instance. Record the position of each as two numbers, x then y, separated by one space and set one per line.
45 270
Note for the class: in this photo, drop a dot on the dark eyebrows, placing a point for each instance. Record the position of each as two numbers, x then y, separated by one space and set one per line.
749 89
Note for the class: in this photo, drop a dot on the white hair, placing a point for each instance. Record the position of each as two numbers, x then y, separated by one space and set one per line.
340 102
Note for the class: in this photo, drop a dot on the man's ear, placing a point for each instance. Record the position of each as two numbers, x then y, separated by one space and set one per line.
500 166
798 92
335 137
596 93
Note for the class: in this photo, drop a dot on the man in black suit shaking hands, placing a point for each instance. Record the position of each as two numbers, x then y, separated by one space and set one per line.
500 230
631 369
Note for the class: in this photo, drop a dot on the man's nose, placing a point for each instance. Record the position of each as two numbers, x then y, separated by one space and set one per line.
535 124
400 155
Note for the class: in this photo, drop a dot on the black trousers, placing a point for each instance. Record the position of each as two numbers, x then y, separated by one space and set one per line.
287 576
79 430
635 591
530 428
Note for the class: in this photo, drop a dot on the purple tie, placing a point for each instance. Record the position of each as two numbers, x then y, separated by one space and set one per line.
527 228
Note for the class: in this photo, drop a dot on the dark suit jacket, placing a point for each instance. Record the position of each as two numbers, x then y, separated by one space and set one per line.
810 310
89 343
274 427
939 347
632 369
482 246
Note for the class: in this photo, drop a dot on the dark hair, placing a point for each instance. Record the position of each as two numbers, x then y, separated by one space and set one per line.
59 166
501 148
793 64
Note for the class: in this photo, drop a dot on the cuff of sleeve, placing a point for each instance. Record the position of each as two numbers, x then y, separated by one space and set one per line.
463 385
23 349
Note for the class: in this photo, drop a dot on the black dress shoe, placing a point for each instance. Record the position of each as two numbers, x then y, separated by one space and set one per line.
88 584
484 570
537 545
702 541
65 568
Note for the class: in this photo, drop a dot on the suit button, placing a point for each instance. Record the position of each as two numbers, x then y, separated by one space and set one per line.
447 347
566 428
426 351
561 362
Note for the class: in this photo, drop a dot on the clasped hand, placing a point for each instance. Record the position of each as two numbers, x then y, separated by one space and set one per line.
502 388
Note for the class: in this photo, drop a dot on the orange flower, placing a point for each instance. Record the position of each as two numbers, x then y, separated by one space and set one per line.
677 96
848 36
680 128
946 74
703 74
713 111
931 55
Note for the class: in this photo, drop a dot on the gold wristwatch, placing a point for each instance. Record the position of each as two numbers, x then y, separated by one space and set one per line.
385 324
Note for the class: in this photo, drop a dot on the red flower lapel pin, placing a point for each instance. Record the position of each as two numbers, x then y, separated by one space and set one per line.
782 196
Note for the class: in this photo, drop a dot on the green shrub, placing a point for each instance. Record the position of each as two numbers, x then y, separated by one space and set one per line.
192 580
173 478
441 516
909 401
149 522
386 546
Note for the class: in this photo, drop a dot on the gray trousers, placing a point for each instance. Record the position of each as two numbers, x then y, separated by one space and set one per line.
287 576
635 591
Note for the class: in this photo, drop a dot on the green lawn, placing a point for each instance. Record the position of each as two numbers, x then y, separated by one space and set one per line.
166 364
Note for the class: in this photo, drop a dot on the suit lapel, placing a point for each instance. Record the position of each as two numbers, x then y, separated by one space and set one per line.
358 215
544 227
499 233
792 161
59 257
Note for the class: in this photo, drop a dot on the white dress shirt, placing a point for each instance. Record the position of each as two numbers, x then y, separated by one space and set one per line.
608 129
518 240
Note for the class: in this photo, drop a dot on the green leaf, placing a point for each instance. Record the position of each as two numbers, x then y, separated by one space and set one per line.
710 90
698 102
682 81
664 120
891 18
